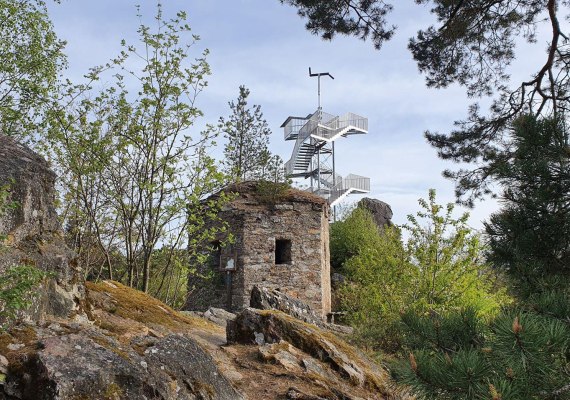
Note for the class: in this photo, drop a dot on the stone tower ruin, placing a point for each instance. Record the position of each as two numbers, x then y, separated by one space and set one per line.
282 243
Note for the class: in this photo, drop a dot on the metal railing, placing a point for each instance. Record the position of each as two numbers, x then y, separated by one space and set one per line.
347 123
309 127
351 119
356 182
321 126
293 126
352 183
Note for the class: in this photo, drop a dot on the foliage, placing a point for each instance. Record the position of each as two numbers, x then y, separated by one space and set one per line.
530 236
378 289
449 259
523 352
32 58
134 171
205 228
489 29
438 269
18 283
362 18
472 43
271 192
246 153
446 332
518 355
18 286
348 237
169 276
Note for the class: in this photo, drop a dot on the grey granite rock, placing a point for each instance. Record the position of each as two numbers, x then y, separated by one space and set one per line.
276 327
273 299
381 211
92 365
31 232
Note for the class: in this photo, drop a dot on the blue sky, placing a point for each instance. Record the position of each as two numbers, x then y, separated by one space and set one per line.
264 45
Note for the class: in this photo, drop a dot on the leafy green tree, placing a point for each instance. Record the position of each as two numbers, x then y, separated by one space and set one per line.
135 170
379 278
438 269
32 58
160 164
18 288
471 43
449 259
246 153
350 236
81 144
521 353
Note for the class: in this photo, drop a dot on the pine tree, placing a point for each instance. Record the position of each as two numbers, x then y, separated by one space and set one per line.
472 44
530 236
522 353
246 153
518 355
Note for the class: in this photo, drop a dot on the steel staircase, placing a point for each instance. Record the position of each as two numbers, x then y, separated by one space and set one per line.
314 136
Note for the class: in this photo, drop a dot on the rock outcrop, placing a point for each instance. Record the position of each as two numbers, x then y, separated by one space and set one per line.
273 299
219 316
381 211
94 341
135 347
264 327
31 232
90 364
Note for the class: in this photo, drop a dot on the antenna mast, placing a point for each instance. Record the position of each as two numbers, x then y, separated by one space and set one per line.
313 156
318 75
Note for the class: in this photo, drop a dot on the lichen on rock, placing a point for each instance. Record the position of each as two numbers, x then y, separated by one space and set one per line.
32 233
276 326
104 340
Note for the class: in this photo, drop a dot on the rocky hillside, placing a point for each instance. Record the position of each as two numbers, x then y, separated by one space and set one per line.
134 347
103 340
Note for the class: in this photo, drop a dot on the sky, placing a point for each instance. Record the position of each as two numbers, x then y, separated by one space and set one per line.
264 45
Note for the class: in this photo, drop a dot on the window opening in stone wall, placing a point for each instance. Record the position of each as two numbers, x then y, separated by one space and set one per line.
216 254
282 251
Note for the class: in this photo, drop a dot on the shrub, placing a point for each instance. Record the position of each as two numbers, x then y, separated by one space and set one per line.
17 283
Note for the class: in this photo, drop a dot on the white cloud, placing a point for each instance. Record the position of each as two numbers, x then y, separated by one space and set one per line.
264 45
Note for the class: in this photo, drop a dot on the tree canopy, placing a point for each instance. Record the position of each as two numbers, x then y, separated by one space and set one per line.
472 43
530 236
133 168
32 59
246 153
439 268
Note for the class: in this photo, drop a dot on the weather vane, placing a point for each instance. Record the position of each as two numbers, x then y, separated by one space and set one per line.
318 75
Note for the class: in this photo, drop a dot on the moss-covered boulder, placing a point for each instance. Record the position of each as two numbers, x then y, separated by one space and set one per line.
260 327
30 232
135 347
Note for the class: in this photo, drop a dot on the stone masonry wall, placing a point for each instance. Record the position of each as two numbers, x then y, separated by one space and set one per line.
302 277
256 226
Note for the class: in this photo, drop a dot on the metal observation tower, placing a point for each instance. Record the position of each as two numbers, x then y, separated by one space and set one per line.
313 156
